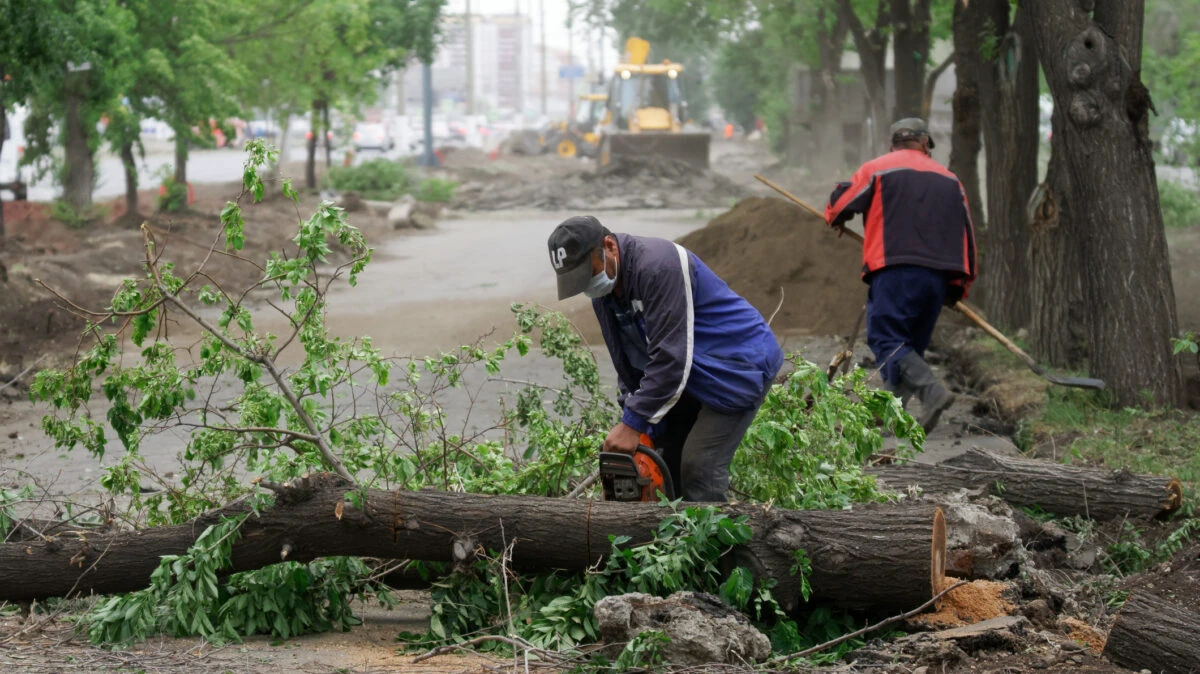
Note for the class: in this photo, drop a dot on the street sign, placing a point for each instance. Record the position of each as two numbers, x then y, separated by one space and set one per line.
570 73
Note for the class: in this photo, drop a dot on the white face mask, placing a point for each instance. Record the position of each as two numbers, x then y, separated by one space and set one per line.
601 284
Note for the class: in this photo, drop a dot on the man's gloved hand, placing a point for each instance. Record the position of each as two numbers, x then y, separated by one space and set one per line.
622 439
954 294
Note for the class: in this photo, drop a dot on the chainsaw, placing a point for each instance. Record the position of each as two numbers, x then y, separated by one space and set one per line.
640 477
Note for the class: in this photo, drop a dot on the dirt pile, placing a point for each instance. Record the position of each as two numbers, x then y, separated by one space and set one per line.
626 183
765 244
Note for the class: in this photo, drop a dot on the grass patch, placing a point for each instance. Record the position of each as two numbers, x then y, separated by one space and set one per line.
1161 442
387 180
1180 205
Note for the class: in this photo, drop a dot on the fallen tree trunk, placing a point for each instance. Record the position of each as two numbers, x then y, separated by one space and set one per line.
1154 634
880 557
1096 493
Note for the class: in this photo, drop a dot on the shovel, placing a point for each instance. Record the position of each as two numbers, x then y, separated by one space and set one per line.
1076 382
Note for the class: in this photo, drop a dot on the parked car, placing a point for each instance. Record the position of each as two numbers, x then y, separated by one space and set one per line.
374 136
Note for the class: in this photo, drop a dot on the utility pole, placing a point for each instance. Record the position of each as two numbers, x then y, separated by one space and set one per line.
470 62
570 65
427 157
542 21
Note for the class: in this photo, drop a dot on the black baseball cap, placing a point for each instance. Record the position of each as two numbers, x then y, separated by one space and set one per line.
571 245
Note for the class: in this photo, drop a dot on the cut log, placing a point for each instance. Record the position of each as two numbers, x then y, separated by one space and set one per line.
1063 490
872 557
1154 634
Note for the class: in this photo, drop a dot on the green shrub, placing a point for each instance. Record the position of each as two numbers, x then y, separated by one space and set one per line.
376 179
76 218
440 190
1180 205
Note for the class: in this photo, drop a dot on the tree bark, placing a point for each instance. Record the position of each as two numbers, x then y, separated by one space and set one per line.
827 128
910 48
325 135
1154 634
931 81
3 134
182 139
131 180
79 173
969 25
873 557
1063 490
871 46
310 162
1009 101
1130 299
1057 324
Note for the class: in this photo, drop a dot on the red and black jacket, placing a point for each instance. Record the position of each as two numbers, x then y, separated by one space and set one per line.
916 213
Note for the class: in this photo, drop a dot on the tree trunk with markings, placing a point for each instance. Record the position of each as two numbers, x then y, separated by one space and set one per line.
1093 67
879 557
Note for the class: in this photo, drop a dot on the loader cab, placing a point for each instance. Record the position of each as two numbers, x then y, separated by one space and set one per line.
647 98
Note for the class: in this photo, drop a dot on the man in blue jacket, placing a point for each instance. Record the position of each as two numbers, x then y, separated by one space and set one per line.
694 360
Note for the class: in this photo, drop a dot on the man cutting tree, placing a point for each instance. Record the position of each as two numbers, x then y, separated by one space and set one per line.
918 255
694 360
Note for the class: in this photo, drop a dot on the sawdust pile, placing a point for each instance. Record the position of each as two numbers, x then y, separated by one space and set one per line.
626 183
974 602
1084 633
764 244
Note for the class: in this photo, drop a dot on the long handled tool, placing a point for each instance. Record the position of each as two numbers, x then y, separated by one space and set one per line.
1077 382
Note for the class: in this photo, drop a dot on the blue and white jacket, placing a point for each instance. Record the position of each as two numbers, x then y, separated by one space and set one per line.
700 336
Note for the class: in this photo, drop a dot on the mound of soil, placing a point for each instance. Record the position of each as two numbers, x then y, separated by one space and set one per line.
764 245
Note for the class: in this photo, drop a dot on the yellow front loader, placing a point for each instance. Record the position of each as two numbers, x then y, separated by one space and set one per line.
647 113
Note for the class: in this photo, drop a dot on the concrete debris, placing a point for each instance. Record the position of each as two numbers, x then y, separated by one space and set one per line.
400 215
702 629
652 182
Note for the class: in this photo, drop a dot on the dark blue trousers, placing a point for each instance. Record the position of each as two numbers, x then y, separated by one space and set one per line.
903 304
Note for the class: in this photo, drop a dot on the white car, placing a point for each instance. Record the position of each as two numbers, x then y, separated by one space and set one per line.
12 178
374 136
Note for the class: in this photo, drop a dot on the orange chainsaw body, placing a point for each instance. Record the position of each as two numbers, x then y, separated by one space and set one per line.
640 477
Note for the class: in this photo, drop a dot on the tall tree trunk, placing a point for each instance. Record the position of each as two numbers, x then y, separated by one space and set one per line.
310 162
80 170
969 25
826 127
182 140
1009 97
325 135
1056 324
3 135
910 48
931 81
871 46
131 180
1093 72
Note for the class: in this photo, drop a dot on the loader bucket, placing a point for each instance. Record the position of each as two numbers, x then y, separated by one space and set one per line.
688 147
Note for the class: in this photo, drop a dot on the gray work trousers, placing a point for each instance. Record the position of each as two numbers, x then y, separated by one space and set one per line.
697 443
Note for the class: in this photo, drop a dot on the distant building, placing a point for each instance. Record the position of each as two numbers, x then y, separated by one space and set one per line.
854 115
503 56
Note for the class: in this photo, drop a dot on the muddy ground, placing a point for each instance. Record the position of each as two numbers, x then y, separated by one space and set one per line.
427 292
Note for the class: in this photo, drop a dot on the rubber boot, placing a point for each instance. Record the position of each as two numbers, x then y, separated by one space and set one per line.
915 374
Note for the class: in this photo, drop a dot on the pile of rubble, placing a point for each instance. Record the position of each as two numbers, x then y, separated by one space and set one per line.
625 183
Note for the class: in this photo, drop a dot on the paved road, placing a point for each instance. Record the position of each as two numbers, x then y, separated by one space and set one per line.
204 166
